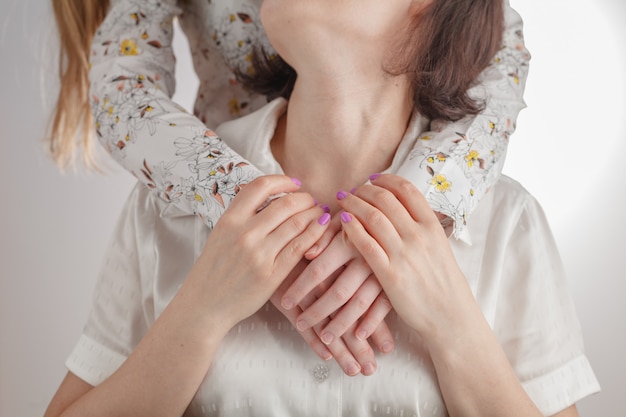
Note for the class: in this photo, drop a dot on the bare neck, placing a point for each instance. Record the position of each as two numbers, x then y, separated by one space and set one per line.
339 130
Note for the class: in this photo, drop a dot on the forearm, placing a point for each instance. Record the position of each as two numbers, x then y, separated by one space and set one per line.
164 371
474 374
169 150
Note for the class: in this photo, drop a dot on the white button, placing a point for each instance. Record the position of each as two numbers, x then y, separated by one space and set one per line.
320 372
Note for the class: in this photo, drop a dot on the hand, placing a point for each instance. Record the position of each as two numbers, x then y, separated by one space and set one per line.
354 299
352 355
392 226
249 253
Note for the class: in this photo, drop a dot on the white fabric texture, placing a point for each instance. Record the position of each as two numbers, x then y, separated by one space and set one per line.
264 368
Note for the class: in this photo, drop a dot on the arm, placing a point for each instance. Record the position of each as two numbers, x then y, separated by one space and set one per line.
457 162
532 362
167 149
168 363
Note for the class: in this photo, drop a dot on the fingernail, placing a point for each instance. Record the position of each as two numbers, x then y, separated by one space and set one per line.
352 191
369 368
341 195
361 335
302 325
287 303
374 176
323 221
353 369
328 338
326 355
296 181
387 347
345 217
326 208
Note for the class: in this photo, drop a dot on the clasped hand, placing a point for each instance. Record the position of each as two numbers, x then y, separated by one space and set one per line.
333 298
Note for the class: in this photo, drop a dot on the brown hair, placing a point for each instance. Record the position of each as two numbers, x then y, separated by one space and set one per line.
448 44
71 125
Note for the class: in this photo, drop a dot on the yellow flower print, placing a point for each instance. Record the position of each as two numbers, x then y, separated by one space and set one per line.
424 137
144 36
198 198
471 158
232 17
441 183
128 47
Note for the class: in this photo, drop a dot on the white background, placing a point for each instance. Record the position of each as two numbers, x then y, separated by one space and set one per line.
569 151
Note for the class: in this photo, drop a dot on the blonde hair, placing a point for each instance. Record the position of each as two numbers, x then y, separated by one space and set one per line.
71 129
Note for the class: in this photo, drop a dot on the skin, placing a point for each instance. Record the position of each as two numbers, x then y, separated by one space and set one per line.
386 220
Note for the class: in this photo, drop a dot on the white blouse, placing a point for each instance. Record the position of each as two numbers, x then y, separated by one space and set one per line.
263 366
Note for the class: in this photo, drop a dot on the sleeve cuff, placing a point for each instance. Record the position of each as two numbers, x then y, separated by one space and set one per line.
92 362
562 387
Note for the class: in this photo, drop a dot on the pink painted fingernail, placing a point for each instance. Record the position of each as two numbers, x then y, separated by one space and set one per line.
323 221
346 217
296 181
341 195
326 208
374 176
352 191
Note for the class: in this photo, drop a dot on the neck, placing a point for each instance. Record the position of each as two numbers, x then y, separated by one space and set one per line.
338 130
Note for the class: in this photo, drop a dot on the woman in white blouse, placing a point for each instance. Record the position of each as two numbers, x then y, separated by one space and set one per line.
181 322
180 158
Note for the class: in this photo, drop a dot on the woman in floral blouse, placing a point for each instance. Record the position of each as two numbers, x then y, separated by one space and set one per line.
179 157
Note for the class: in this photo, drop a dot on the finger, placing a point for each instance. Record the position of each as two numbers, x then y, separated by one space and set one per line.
307 228
383 339
374 220
342 354
352 313
256 193
344 289
283 210
368 247
335 256
338 349
374 316
361 351
410 197
309 335
333 228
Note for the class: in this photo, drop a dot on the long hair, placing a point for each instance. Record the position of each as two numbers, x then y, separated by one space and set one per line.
448 44
71 124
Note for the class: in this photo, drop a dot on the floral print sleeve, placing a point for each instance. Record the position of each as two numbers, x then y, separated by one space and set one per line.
169 150
177 156
455 163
